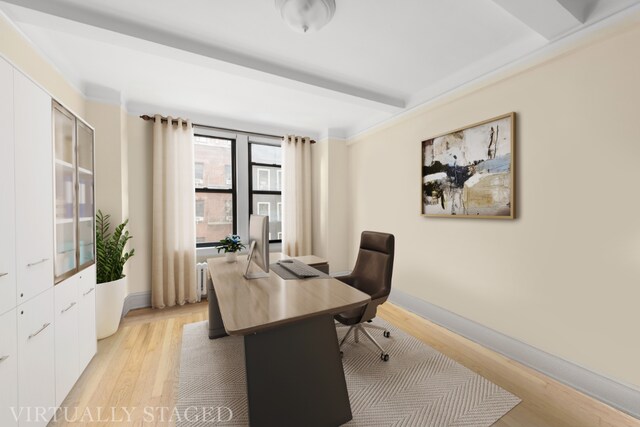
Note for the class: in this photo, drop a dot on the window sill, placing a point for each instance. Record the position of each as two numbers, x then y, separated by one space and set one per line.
202 254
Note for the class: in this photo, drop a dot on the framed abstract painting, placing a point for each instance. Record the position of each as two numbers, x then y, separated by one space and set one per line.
469 172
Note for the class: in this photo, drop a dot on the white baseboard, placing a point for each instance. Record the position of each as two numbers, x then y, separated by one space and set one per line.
136 300
620 396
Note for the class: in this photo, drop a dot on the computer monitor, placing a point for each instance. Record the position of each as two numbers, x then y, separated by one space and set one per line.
259 249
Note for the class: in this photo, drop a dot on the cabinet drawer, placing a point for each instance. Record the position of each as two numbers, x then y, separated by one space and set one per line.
8 369
66 336
36 366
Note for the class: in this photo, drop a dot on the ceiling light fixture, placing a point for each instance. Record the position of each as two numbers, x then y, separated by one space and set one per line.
306 16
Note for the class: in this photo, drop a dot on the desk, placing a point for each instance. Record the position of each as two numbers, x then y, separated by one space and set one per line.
293 365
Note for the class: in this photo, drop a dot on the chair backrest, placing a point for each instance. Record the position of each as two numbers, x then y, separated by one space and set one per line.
374 265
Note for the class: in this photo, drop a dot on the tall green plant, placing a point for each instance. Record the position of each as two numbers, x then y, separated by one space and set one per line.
110 253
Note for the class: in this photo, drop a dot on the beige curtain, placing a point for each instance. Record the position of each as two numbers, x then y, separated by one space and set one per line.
296 194
173 260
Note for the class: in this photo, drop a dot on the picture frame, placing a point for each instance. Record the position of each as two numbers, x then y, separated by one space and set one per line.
470 172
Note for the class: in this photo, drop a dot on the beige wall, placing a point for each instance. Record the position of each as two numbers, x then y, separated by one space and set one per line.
562 277
140 138
15 48
110 148
330 202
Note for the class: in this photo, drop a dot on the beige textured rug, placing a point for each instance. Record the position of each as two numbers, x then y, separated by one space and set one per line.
417 387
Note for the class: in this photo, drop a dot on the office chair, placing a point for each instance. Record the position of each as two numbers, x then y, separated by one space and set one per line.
371 275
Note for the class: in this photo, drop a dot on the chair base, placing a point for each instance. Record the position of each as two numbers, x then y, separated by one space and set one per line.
360 327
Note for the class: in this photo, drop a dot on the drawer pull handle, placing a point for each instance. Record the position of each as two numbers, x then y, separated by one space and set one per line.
4 274
68 308
39 330
31 264
88 292
3 358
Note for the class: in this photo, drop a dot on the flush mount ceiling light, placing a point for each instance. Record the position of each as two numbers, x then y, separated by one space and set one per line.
306 16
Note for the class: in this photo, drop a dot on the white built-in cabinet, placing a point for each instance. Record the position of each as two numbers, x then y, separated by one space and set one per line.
75 330
36 361
34 188
8 368
47 329
7 193
87 339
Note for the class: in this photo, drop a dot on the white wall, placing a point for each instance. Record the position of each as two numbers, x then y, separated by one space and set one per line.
564 276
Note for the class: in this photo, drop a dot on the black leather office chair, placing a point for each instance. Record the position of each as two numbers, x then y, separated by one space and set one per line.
371 275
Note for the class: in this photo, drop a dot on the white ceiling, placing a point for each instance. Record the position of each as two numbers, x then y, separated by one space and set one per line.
236 62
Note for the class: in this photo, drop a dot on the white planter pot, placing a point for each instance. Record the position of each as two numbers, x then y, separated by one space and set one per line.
231 256
109 303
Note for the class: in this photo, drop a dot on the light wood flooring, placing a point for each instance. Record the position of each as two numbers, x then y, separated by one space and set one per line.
138 368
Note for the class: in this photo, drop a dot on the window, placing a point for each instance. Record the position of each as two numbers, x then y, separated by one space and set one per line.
264 208
215 191
265 179
199 168
228 175
200 210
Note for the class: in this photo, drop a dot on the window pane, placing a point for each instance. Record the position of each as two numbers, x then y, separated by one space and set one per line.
266 178
214 216
269 154
212 163
271 205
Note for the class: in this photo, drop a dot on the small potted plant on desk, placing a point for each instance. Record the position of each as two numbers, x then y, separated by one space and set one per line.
112 285
231 246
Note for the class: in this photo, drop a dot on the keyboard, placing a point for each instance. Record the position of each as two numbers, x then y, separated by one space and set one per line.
298 269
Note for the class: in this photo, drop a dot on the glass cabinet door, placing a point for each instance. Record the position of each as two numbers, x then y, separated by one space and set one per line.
86 216
65 194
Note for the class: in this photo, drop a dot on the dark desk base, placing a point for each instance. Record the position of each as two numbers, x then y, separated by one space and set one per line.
295 376
216 326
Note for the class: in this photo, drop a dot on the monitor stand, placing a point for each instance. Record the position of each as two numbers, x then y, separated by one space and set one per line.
256 274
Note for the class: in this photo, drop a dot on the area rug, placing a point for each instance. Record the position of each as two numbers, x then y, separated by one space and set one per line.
418 386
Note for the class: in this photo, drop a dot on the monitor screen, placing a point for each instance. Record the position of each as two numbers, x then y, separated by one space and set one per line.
259 251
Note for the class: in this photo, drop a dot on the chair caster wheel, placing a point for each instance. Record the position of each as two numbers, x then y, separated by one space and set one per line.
341 355
384 357
386 334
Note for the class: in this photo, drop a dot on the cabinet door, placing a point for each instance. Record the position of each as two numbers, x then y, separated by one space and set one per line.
86 209
7 193
36 367
34 179
66 336
8 369
87 316
64 142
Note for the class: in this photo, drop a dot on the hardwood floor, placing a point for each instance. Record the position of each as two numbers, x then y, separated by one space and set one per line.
136 372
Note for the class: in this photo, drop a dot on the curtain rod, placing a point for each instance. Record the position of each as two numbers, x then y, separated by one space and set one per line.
264 135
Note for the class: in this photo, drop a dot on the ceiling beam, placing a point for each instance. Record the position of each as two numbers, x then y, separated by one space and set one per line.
549 18
219 57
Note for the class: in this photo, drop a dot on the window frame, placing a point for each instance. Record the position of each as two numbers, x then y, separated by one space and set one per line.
251 164
233 190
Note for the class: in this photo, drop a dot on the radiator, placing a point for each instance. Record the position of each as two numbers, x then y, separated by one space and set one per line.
202 277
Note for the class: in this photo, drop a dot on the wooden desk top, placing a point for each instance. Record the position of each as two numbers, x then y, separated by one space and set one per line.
249 306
